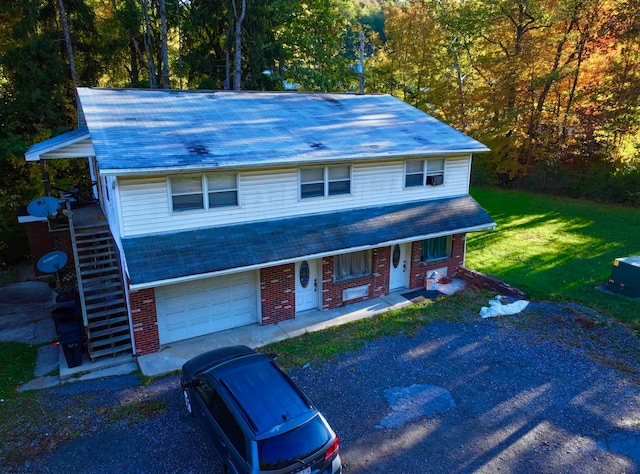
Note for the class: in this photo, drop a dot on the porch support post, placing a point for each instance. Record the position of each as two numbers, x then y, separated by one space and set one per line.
94 177
44 167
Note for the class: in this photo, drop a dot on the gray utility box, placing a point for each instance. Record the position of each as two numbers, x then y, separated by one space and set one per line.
625 276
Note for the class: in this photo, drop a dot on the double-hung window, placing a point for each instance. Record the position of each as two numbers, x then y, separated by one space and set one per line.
436 249
223 189
323 181
186 193
204 192
424 172
352 265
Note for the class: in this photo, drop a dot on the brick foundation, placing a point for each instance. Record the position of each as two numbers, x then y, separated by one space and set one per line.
278 293
419 269
145 321
378 281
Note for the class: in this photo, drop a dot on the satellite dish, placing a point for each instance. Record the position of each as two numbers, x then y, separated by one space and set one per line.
43 207
52 262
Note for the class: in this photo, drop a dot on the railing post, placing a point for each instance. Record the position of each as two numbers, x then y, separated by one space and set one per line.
72 233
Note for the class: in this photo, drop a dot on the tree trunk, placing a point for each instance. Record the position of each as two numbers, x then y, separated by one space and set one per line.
227 68
165 48
148 47
67 40
237 64
134 74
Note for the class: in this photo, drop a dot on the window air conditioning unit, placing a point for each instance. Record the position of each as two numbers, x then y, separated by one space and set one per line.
435 180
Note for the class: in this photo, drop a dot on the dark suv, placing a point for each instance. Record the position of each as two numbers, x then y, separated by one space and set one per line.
259 420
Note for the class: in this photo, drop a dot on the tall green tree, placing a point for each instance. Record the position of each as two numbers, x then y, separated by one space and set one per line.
37 94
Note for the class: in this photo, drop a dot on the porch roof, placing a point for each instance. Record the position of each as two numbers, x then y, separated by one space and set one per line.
73 144
160 259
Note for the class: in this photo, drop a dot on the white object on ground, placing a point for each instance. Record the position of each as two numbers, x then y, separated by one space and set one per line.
496 308
452 287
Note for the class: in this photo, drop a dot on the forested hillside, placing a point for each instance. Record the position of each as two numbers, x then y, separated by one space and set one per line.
551 86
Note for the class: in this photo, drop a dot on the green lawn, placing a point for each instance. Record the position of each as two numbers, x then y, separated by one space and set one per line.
17 362
556 248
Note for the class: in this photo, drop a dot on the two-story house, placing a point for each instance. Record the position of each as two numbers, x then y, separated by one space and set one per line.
237 208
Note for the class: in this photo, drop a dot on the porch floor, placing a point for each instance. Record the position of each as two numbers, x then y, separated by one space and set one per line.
172 356
88 216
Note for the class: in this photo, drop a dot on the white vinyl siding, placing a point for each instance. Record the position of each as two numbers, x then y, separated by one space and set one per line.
275 194
109 202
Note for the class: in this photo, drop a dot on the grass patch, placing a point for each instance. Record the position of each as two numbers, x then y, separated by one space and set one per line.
18 361
322 346
136 411
10 275
557 248
29 426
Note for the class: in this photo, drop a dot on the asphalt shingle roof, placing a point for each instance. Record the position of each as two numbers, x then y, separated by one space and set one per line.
153 258
137 129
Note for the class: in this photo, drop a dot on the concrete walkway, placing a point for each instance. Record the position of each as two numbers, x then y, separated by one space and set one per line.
25 316
172 356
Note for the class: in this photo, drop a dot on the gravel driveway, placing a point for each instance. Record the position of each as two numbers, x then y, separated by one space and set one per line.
549 391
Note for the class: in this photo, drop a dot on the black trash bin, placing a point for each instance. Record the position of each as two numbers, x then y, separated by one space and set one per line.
64 315
71 342
70 299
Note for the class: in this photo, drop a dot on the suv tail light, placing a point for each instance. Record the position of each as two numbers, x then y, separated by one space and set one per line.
333 449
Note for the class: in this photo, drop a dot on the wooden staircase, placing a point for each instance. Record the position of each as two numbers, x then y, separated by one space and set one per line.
101 292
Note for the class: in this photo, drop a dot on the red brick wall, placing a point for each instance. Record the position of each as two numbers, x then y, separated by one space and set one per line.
419 268
145 321
378 281
40 242
480 279
278 293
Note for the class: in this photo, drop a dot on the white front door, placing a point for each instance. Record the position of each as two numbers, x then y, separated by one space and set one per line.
399 266
307 285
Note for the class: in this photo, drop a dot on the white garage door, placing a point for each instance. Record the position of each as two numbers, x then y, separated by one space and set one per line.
201 307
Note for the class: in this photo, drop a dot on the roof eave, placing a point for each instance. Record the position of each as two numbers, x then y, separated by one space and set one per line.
35 152
201 276
278 163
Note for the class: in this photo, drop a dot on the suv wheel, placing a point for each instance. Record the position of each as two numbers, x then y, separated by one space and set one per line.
187 401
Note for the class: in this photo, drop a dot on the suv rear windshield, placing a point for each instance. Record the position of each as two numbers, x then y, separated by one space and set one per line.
285 449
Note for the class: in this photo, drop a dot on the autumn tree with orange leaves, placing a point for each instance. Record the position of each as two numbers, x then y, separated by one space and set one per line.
551 86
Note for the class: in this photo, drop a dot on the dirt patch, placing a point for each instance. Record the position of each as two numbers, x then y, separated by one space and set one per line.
599 337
